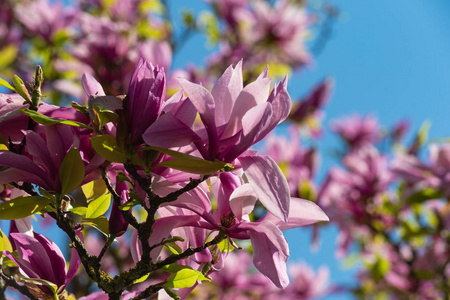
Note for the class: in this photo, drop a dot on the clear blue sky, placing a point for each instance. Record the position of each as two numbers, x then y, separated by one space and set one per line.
388 58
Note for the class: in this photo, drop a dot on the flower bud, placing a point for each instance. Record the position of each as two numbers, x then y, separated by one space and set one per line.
145 99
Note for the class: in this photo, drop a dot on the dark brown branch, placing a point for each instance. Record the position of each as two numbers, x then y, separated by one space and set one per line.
126 214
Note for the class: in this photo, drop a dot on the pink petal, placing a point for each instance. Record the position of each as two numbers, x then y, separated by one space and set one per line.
242 200
168 132
204 103
253 94
269 184
270 251
301 213
91 86
253 122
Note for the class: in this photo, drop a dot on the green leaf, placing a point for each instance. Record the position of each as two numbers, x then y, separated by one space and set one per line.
80 108
98 207
20 88
72 171
225 246
81 210
191 164
100 223
184 278
171 293
45 120
94 189
4 243
424 195
104 115
37 281
106 146
22 207
141 279
174 248
130 204
60 37
5 83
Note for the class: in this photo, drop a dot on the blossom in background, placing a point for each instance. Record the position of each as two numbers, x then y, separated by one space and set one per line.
434 174
39 258
308 111
349 195
357 131
277 33
44 18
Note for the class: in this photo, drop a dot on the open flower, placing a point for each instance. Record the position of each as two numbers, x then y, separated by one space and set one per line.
39 258
235 201
233 118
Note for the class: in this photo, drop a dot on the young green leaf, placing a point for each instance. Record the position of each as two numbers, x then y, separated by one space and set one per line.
81 210
4 243
72 171
45 120
171 293
93 189
36 281
130 204
22 207
21 89
99 206
5 83
100 223
191 164
104 115
106 146
184 278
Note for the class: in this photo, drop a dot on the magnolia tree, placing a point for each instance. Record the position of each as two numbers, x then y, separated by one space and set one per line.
150 174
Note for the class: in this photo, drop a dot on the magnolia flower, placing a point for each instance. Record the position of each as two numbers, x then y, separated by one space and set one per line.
358 131
433 174
233 118
39 258
45 18
235 200
45 154
298 164
308 110
278 31
146 96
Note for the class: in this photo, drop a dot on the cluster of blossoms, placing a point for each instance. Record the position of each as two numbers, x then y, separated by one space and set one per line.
107 38
158 188
393 209
198 183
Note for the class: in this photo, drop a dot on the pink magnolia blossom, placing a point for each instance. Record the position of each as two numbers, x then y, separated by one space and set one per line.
44 18
357 131
233 119
40 258
235 200
299 165
146 96
280 30
44 154
434 174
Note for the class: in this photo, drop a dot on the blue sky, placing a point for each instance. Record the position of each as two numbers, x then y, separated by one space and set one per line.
389 59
